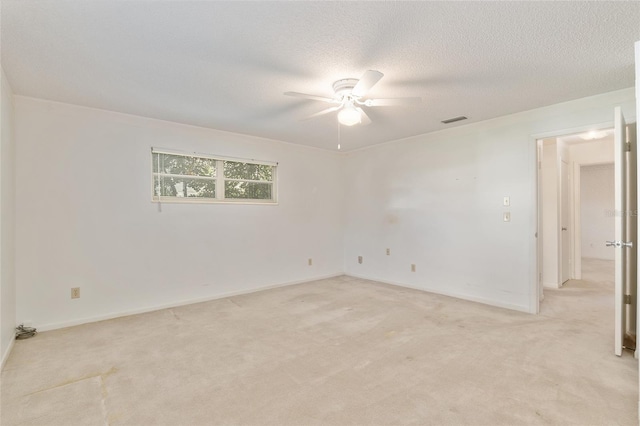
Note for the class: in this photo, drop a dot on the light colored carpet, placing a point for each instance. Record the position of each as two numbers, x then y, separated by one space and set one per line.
338 351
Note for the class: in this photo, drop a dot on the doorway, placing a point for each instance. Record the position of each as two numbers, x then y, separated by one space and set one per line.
559 208
563 162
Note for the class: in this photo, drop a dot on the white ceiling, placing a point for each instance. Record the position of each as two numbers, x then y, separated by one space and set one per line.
225 65
587 137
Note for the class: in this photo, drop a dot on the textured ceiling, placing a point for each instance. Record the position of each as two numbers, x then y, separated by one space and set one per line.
225 65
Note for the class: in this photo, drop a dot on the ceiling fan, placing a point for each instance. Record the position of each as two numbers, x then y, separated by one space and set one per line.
350 96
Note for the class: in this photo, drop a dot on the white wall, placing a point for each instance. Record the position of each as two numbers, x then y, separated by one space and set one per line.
85 219
436 200
550 186
7 220
593 152
596 204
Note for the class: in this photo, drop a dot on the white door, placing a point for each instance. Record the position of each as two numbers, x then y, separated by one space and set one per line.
565 233
638 177
619 244
631 253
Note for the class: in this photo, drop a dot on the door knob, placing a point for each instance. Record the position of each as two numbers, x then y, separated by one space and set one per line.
619 244
564 229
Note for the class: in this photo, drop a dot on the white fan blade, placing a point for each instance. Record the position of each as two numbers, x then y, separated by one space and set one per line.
392 101
312 97
364 118
323 112
366 82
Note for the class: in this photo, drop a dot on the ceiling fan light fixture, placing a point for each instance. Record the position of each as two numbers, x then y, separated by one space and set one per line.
349 116
350 99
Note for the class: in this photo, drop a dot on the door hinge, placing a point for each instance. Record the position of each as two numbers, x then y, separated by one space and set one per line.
627 146
627 299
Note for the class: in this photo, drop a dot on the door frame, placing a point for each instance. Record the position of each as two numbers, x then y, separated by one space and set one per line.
535 243
570 213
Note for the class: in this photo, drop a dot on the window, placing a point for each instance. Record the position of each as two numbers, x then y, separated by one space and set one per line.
200 178
182 176
247 180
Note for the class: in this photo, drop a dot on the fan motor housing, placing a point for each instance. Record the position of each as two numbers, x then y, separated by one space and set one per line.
345 86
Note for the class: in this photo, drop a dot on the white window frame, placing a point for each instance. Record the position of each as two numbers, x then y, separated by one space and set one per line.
219 179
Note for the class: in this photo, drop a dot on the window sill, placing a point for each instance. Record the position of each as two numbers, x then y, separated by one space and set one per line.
200 201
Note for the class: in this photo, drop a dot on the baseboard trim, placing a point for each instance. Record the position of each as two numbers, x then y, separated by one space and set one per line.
5 355
71 323
475 299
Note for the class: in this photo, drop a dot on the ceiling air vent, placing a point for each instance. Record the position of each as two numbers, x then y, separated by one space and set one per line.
454 119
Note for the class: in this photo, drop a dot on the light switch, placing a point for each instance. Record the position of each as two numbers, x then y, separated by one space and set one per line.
506 216
506 201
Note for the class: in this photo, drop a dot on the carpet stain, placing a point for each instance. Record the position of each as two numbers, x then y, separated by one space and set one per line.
102 376
234 302
111 371
542 417
103 402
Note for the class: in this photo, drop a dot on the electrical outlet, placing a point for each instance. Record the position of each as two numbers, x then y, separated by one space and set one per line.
413 267
388 251
75 292
310 261
359 259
